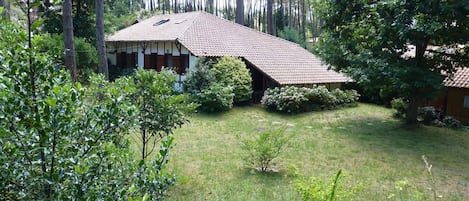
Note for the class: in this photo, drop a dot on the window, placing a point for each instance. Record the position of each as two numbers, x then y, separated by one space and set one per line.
161 22
466 101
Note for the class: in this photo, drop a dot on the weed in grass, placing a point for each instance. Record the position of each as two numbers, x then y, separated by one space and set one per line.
318 190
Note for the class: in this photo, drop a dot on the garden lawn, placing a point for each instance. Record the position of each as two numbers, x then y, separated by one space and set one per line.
373 149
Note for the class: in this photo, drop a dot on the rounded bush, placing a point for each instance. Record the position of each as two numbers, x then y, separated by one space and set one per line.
216 98
292 99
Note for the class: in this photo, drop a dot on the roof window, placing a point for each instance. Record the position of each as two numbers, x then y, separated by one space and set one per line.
161 22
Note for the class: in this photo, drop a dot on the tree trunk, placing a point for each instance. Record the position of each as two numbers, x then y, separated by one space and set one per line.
103 68
70 62
175 6
303 19
240 12
270 17
290 17
412 111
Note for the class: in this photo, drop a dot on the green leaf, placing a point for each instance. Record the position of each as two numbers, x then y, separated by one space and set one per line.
37 23
51 101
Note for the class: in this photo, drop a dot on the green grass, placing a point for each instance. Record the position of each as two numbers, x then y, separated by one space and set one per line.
373 149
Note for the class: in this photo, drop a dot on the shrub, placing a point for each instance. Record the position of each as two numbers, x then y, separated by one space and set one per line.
218 81
285 99
264 148
429 114
216 98
451 122
231 71
201 76
292 99
318 190
400 107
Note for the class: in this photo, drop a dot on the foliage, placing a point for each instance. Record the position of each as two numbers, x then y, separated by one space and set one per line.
292 35
217 83
407 191
201 76
231 71
371 41
264 148
400 106
86 54
427 115
215 98
161 108
293 99
451 122
61 141
55 145
318 190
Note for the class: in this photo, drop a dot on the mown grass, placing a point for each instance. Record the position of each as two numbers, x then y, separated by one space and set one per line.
373 149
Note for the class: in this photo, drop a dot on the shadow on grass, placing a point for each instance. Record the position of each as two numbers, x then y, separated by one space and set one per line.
270 176
389 136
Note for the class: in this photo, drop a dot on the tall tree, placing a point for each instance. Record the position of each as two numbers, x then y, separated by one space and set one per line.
70 62
372 41
240 12
270 18
102 57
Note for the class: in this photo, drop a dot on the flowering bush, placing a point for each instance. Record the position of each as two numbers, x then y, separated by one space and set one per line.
292 99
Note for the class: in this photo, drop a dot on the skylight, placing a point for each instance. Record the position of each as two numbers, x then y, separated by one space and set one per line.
161 22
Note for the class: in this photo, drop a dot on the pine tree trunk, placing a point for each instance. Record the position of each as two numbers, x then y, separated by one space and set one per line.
290 17
175 6
412 111
103 67
240 12
303 19
70 62
270 18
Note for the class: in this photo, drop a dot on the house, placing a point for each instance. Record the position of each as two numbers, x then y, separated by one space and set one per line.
176 40
456 102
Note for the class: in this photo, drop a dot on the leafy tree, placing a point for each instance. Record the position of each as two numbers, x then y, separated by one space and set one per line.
61 141
161 109
370 41
54 145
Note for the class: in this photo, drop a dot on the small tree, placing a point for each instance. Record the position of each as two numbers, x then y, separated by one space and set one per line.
160 108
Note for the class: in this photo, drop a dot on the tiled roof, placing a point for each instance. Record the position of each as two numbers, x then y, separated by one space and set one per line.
459 80
207 35
146 31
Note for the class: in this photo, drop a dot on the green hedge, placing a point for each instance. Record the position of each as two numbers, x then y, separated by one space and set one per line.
292 99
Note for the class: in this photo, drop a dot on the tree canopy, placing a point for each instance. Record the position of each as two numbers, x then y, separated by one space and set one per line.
406 46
